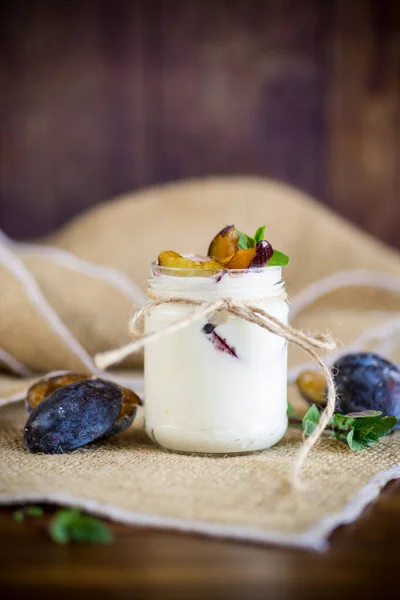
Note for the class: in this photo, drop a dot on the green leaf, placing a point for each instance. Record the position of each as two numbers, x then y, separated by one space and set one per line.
18 516
245 241
353 443
308 427
364 429
359 430
310 420
58 527
278 259
34 511
259 234
88 529
69 525
30 511
312 414
242 243
376 426
290 409
364 413
386 425
342 422
58 533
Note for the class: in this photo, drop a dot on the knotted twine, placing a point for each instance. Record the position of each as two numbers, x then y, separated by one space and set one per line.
310 343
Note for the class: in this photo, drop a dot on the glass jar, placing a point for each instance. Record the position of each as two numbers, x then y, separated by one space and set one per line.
218 386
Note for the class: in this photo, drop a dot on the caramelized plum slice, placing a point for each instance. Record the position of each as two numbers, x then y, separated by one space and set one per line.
189 267
264 252
224 245
311 385
130 402
242 259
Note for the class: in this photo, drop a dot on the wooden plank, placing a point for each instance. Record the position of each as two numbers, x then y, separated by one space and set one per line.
102 98
243 90
151 564
364 116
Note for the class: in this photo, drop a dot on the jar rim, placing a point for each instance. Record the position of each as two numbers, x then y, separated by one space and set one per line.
180 271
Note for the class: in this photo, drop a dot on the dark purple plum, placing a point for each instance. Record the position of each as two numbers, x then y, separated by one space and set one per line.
73 416
264 252
367 381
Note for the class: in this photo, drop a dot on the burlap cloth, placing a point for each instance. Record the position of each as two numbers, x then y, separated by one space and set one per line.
127 478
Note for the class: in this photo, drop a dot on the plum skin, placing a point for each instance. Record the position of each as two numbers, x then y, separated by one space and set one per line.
367 381
264 252
73 416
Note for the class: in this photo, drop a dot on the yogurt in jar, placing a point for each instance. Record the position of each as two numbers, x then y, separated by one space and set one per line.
219 385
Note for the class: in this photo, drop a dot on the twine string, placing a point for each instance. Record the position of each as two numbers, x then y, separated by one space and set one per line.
310 343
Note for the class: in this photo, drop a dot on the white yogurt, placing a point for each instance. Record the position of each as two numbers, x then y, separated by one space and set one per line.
199 396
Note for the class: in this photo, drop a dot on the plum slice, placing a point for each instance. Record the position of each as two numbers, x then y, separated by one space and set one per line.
224 245
188 267
130 402
242 259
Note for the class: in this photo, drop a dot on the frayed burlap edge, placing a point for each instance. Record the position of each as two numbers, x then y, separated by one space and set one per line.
315 538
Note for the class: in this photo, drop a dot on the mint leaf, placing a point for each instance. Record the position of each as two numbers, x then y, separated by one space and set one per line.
242 242
30 511
375 427
364 413
88 529
58 528
259 234
341 422
353 443
18 516
69 525
245 241
312 414
385 425
359 430
278 259
310 420
290 409
34 511
364 429
250 242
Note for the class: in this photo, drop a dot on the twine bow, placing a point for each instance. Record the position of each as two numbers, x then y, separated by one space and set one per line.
252 314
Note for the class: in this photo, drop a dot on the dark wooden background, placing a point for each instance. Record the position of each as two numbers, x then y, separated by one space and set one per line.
98 98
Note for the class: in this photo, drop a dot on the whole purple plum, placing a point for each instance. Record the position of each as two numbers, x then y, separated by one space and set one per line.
72 416
367 381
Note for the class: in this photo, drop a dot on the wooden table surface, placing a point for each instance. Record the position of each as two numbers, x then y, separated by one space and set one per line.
363 562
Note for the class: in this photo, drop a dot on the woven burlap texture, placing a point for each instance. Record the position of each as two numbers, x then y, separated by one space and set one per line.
126 477
128 233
